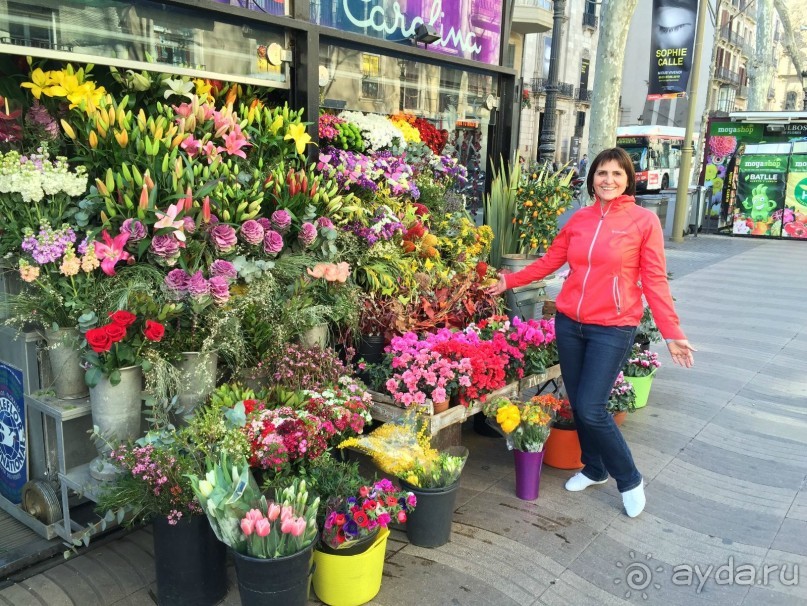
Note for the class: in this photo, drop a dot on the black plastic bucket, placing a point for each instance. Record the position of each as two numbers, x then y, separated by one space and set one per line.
275 581
189 562
429 525
482 427
371 348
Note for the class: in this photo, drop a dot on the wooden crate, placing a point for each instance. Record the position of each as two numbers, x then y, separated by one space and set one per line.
386 410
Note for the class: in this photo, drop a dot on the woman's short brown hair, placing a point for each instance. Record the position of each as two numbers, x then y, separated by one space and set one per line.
622 158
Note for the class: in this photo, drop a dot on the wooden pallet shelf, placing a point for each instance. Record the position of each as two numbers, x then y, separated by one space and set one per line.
386 410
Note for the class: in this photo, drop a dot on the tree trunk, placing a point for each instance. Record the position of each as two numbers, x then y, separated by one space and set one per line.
615 17
789 39
761 69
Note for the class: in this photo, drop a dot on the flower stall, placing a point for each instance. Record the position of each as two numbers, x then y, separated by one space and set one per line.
222 251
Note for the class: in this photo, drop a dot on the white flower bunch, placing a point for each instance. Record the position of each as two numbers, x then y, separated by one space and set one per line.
36 176
376 130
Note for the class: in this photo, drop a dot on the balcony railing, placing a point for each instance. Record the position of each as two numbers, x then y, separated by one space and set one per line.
538 86
727 75
590 20
583 95
565 89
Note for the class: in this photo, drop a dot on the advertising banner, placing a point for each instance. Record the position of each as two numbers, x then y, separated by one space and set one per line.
794 220
672 37
13 442
760 195
470 29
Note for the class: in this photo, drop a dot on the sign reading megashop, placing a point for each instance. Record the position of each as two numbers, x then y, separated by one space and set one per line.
470 29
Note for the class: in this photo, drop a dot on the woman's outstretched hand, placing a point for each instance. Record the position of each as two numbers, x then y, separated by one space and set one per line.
681 352
499 287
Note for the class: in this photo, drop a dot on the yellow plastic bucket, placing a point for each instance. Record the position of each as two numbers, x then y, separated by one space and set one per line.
350 580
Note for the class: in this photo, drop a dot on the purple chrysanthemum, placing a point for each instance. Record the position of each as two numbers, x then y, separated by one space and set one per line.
252 232
281 220
308 234
223 237
272 242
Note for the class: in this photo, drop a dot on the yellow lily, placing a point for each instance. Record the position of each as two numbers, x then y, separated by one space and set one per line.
42 82
277 123
301 138
122 137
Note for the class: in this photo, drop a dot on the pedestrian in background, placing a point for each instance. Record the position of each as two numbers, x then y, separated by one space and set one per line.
612 247
581 166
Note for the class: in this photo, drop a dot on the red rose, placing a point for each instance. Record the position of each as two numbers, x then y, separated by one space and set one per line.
154 331
122 317
98 340
115 331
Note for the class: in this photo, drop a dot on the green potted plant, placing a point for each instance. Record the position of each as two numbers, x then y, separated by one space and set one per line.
639 371
622 399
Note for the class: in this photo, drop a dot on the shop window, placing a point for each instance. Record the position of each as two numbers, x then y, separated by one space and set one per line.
173 47
580 125
30 26
790 100
409 85
370 72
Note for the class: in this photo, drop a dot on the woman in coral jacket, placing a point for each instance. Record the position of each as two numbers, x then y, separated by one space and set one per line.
615 250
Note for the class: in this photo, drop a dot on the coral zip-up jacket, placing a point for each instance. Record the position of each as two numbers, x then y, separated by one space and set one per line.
616 253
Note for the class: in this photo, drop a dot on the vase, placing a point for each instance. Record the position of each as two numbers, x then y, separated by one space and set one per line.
197 379
641 385
317 336
522 301
619 417
528 473
65 363
116 413
429 523
371 348
350 580
189 562
439 407
562 449
282 581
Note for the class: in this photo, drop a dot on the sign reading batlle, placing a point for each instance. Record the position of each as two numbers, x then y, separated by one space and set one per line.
470 29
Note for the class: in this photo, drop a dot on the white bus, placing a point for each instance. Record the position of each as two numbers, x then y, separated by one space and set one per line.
656 154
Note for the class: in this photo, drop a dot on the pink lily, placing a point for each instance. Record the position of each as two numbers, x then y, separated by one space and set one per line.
233 144
191 146
110 251
169 219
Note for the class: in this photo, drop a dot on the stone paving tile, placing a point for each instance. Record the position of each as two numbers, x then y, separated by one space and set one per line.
616 568
764 419
790 537
742 467
750 443
77 587
18 595
769 597
785 579
798 511
573 589
47 591
425 582
710 516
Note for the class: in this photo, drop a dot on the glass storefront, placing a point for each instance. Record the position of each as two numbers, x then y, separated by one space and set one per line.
144 35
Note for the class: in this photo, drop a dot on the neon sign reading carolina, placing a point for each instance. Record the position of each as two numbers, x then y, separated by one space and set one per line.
377 20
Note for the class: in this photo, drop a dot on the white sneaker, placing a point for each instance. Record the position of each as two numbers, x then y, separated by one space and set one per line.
580 482
634 500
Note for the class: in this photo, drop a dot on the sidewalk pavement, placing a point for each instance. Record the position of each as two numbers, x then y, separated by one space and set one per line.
722 446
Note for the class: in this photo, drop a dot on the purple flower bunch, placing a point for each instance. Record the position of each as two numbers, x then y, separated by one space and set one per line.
350 169
383 226
179 285
448 167
398 175
49 244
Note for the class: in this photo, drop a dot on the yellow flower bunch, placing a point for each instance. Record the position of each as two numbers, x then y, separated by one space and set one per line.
526 425
509 417
410 133
69 84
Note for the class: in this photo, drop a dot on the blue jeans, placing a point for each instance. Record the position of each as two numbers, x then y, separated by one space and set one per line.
591 357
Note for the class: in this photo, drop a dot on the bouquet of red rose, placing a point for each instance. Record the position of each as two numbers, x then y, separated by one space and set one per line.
352 518
119 344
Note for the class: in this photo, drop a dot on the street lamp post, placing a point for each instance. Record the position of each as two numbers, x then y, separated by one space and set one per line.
804 88
546 150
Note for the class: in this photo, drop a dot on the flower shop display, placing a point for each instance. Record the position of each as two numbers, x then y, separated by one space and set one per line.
562 447
402 449
65 363
272 541
153 486
622 399
542 196
526 427
639 371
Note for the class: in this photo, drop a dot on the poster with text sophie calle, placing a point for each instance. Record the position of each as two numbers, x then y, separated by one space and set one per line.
671 41
470 29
